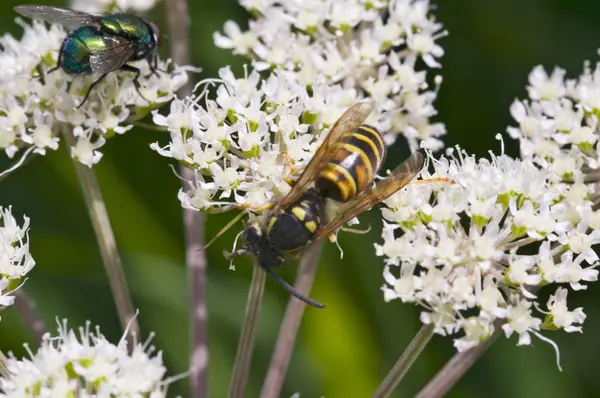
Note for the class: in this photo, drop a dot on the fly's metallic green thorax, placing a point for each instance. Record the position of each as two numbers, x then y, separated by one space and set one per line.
100 43
131 28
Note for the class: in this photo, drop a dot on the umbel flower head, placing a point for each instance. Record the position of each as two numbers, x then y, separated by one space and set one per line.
85 364
380 49
15 259
36 106
475 255
558 124
256 133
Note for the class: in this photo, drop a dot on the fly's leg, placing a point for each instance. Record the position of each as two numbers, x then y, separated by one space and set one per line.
136 79
153 64
90 90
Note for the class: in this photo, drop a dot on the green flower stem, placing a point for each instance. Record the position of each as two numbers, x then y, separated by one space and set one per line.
456 368
291 323
26 307
106 243
408 357
243 358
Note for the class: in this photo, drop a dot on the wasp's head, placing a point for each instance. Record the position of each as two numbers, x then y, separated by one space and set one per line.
257 243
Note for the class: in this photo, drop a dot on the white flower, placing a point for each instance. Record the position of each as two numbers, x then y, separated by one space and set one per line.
460 255
34 111
558 129
544 87
15 259
475 330
85 365
560 315
5 299
520 320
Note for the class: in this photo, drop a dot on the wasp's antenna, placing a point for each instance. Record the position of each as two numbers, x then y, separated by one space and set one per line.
224 229
291 290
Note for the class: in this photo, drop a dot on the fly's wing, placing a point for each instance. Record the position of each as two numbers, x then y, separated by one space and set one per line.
349 121
399 178
66 17
115 52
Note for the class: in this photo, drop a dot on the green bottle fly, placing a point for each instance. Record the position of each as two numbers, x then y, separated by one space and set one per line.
100 43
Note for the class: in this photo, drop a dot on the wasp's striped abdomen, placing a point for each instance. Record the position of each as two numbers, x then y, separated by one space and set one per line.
358 158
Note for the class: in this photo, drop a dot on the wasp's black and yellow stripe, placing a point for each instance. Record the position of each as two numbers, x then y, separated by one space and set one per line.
358 156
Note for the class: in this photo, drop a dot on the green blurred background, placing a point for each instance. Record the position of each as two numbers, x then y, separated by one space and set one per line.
346 349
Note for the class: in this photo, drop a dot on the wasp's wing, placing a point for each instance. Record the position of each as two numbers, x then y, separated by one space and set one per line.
68 18
113 55
399 178
349 121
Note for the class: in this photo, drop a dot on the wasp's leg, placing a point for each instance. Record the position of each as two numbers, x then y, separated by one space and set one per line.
287 161
430 180
252 208
90 90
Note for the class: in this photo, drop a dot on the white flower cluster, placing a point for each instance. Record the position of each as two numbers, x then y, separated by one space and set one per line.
323 57
15 259
100 6
381 49
475 255
87 365
251 137
558 124
35 110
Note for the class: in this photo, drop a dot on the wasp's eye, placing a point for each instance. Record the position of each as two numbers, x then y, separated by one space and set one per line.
253 235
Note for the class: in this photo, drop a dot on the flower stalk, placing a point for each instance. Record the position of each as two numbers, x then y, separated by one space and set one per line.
243 357
408 357
106 243
291 323
177 15
455 369
26 307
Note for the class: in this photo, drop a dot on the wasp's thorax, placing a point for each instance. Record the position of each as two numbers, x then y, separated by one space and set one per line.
285 232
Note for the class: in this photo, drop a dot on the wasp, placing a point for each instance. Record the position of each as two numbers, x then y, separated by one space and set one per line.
100 43
336 186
